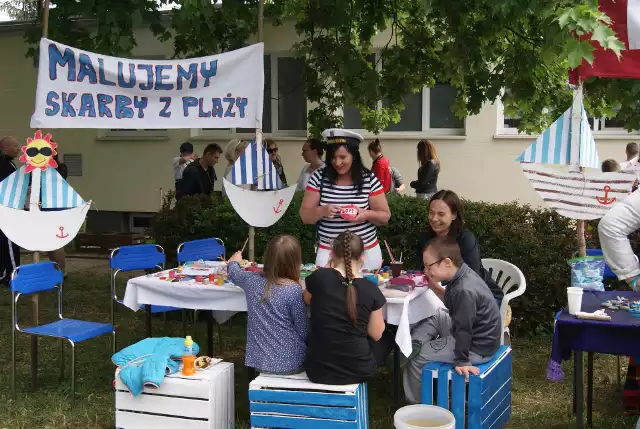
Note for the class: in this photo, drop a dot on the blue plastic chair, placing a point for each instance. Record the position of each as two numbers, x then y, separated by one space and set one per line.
42 277
136 258
607 270
207 249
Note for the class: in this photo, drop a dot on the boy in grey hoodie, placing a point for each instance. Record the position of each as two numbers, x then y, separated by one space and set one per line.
464 334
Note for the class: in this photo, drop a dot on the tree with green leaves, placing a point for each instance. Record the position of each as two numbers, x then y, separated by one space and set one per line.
480 47
21 10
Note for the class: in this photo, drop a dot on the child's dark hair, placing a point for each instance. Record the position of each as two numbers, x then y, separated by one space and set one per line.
610 165
349 247
443 247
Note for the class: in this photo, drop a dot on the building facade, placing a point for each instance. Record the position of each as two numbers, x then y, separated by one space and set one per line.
126 172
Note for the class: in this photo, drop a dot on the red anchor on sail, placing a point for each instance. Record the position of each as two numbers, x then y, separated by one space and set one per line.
61 234
606 200
278 209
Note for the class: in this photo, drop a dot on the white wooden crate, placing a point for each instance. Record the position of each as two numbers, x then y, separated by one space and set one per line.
203 401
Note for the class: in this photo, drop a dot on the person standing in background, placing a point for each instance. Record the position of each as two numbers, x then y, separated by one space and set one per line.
181 162
381 166
398 183
9 252
426 185
199 177
312 152
272 150
632 150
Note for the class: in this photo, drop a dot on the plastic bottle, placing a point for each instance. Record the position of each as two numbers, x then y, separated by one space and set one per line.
189 357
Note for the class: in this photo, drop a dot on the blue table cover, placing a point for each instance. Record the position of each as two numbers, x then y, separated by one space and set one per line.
620 336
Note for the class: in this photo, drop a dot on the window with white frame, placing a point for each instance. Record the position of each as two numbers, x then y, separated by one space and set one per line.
610 126
285 105
124 133
425 111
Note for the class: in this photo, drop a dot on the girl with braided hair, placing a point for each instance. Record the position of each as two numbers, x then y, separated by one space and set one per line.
348 340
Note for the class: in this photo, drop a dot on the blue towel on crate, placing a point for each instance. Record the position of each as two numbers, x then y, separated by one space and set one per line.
146 362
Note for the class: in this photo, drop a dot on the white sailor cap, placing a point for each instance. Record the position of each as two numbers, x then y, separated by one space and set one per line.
342 136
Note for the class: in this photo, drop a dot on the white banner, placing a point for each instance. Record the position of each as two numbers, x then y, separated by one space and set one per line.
80 89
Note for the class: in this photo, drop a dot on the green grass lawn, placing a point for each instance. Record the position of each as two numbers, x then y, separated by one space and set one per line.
537 403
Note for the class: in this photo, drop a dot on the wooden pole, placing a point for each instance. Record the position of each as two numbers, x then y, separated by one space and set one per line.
35 303
576 119
252 230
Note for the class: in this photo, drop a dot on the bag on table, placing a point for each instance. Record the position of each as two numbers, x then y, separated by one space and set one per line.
587 272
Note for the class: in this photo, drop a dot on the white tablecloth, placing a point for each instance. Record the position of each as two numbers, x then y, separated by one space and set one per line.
225 300
404 312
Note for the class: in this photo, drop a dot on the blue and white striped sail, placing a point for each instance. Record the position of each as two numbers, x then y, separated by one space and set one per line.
254 167
553 146
13 189
56 193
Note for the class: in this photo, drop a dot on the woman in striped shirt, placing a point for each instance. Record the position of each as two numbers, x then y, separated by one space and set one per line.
344 181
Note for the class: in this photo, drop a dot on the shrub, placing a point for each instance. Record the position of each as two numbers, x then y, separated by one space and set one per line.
536 240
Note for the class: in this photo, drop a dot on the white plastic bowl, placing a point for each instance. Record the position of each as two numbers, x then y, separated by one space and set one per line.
425 414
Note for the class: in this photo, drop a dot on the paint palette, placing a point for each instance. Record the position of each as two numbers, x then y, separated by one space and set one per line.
622 303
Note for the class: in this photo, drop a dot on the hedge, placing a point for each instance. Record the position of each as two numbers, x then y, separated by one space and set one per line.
536 240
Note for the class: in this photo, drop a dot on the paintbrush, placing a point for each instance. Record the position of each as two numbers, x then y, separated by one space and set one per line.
389 250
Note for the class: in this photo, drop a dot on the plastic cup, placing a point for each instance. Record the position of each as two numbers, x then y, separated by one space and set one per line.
396 268
574 296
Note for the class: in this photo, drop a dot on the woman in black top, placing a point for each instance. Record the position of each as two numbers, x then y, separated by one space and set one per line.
445 218
428 172
348 340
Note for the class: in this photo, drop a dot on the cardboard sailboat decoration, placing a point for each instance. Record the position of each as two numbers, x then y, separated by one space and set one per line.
573 194
265 206
34 229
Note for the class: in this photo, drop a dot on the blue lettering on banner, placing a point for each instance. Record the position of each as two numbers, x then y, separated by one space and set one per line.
103 78
56 58
132 76
192 75
160 86
103 105
230 102
140 103
202 113
165 113
217 111
86 69
207 74
54 108
149 84
123 111
241 103
87 106
67 108
188 102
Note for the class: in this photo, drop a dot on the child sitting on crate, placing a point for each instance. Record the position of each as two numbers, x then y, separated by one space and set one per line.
464 334
278 324
348 340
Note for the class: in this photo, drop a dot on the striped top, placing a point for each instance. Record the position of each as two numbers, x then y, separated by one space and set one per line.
340 195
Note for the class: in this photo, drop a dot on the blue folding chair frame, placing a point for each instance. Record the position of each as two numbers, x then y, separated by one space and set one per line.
207 249
136 258
43 277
